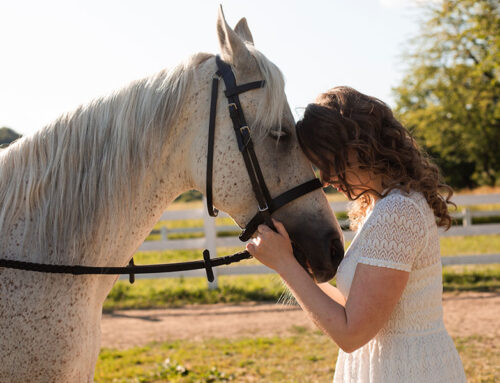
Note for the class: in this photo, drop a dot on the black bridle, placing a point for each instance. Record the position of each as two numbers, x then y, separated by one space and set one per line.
266 204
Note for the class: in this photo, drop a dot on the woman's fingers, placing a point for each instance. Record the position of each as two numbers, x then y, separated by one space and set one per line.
271 247
277 224
251 248
262 229
281 228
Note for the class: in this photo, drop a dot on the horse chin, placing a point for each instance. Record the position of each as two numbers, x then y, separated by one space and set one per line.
322 276
319 276
300 256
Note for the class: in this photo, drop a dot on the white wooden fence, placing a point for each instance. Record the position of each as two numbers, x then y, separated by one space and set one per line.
211 242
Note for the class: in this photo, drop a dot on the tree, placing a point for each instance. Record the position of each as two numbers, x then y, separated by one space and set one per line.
449 96
7 136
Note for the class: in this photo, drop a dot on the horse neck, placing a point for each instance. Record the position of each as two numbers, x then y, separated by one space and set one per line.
164 179
162 183
182 159
127 222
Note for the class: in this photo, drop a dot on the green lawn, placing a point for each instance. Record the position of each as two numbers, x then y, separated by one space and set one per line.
170 292
473 244
307 356
478 244
174 292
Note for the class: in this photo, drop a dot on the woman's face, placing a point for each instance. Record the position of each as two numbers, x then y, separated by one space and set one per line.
358 177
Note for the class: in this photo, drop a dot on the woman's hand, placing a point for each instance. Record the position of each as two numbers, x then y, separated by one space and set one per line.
272 249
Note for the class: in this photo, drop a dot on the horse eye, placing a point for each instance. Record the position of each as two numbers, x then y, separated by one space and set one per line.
279 134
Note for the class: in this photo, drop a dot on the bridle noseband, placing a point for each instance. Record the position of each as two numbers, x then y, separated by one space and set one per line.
266 205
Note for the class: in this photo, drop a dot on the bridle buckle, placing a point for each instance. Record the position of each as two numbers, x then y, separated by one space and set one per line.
263 209
245 127
233 105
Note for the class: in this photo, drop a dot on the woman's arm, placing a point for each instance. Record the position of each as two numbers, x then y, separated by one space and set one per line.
332 292
374 292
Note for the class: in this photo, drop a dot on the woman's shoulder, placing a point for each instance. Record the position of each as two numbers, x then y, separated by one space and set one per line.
395 231
401 204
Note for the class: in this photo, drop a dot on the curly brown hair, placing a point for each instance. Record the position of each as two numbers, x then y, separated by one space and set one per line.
344 121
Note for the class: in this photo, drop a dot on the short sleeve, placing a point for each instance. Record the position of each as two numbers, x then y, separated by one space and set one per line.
395 234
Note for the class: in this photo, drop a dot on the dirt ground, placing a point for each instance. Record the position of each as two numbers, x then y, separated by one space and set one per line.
468 313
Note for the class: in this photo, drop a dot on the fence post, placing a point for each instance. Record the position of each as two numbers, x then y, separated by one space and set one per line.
210 241
467 218
163 233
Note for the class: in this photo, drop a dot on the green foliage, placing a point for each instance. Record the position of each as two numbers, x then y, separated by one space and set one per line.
449 97
7 136
191 195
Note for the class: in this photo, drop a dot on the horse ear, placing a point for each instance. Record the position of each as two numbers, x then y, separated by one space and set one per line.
232 46
243 31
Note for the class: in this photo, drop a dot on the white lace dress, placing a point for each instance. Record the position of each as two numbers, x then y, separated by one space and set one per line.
414 346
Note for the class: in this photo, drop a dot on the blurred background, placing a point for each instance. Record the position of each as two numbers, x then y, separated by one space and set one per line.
435 62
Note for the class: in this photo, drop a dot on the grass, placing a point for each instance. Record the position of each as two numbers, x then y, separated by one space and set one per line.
198 223
470 245
471 278
147 257
171 292
481 358
306 356
175 292
478 244
269 359
334 196
484 207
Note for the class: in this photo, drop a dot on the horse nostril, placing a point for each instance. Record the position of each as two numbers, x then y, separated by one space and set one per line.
337 248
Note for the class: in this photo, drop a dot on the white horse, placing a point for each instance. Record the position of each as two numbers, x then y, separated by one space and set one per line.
88 188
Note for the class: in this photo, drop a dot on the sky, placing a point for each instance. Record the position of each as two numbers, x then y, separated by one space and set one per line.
56 55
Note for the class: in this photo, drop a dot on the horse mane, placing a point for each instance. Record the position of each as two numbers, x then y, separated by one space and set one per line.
67 180
272 106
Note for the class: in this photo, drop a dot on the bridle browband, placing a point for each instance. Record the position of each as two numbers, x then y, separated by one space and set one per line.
266 204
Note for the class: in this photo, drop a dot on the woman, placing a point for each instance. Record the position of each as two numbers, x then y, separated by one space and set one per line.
386 312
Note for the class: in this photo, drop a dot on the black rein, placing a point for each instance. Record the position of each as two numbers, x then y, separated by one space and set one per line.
207 263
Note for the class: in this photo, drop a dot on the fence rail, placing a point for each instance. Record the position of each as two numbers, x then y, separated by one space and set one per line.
212 241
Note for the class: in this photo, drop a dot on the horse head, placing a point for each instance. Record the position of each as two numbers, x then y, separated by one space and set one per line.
313 228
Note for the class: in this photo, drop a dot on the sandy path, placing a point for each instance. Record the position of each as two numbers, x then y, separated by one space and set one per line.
468 313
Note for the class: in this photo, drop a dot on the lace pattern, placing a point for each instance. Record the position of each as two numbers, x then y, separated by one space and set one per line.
413 346
384 246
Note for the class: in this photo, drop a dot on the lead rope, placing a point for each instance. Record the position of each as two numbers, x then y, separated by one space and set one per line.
207 264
